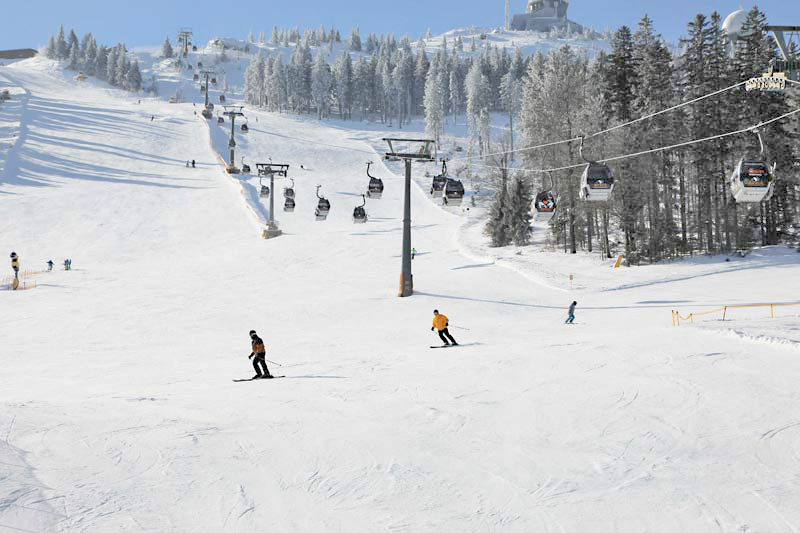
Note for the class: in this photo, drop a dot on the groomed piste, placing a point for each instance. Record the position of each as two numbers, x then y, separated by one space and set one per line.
117 407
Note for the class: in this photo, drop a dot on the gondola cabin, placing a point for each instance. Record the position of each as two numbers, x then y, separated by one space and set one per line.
544 206
222 98
245 169
220 120
751 181
288 192
453 193
438 184
323 208
375 188
597 183
245 129
264 191
288 205
359 215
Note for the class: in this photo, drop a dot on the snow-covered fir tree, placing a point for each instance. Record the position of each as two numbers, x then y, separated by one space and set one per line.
166 49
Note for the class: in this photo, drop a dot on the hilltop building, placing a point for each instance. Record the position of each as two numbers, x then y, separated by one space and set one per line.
545 15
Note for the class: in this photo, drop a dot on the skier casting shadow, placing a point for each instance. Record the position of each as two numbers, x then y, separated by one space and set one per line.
440 323
259 356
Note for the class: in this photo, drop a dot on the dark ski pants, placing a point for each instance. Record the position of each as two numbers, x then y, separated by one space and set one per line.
259 362
444 335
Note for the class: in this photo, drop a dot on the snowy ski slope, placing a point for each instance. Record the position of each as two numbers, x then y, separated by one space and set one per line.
118 411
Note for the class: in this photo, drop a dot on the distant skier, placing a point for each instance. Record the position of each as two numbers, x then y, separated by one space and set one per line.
413 253
193 164
187 163
49 265
440 323
571 313
67 264
15 263
152 118
259 356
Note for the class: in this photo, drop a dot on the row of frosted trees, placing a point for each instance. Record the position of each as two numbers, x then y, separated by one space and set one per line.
85 55
672 202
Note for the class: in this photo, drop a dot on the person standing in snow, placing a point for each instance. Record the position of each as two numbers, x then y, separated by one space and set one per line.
413 253
571 313
259 356
440 323
50 265
193 164
15 263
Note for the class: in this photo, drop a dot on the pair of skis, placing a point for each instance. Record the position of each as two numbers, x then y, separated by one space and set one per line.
257 379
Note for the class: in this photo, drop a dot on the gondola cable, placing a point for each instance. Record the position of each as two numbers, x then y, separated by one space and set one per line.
653 150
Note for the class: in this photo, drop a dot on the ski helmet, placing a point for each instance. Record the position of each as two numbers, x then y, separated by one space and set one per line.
252 332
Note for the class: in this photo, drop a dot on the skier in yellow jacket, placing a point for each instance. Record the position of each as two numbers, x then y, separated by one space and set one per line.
440 323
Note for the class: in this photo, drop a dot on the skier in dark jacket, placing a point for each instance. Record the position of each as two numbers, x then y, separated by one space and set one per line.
571 313
259 356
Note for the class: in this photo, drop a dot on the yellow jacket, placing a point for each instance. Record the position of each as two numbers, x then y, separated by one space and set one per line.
440 322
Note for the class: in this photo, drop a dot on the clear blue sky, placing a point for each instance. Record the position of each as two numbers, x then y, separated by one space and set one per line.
28 23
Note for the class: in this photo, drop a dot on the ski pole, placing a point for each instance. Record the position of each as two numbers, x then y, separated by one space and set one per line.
459 327
273 362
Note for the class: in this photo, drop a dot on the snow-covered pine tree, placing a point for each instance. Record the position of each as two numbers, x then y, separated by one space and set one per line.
62 51
72 40
276 86
478 95
354 41
511 95
133 78
653 92
74 60
85 40
321 84
101 63
343 76
421 67
497 225
50 52
166 49
518 210
90 60
620 77
111 65
254 81
363 87
434 104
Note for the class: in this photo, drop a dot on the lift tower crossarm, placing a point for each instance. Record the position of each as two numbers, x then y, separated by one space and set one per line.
778 33
272 170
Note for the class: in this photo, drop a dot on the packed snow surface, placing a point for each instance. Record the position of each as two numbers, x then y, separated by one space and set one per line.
118 411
